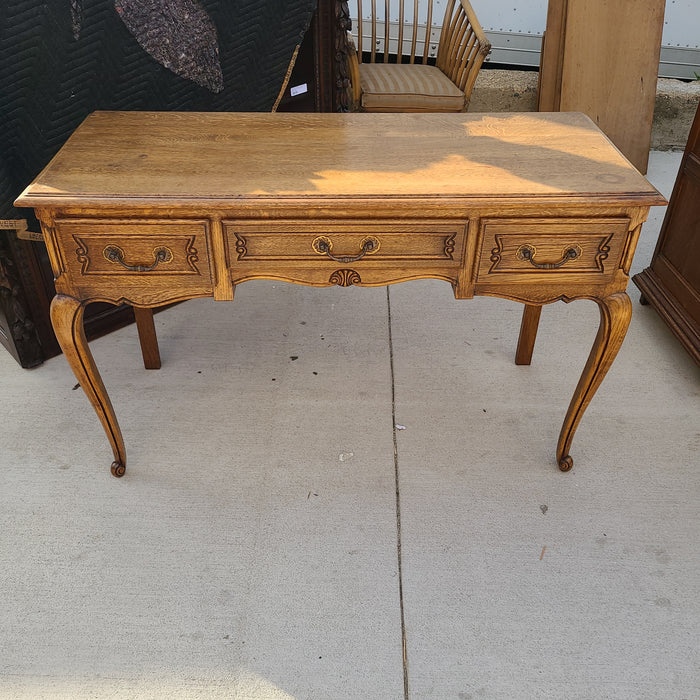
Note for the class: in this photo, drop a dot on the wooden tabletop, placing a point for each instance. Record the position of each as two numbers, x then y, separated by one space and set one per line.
158 157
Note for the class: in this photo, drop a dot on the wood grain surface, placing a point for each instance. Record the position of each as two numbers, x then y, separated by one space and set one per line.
159 157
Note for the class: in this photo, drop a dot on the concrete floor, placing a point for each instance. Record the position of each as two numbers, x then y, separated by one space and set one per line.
254 549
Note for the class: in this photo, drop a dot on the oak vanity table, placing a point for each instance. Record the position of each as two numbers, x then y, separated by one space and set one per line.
151 208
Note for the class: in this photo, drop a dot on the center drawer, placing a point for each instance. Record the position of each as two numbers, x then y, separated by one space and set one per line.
345 242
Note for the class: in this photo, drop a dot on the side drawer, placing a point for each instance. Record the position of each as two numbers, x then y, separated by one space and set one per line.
146 261
134 248
551 249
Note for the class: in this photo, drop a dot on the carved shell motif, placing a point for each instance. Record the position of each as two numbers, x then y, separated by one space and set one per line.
345 278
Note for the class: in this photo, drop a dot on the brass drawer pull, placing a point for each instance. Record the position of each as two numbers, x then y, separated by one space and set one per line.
323 246
528 252
115 254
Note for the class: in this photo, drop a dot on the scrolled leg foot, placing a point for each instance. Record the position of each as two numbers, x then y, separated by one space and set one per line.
565 463
615 313
67 320
117 469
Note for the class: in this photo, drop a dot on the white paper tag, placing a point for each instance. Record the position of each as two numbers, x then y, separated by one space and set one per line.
299 90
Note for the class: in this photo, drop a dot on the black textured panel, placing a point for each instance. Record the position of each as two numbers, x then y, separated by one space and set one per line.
50 80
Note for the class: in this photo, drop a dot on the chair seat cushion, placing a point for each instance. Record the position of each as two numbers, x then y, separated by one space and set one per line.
404 87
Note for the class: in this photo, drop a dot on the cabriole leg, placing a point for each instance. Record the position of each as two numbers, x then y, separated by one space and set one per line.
67 320
615 314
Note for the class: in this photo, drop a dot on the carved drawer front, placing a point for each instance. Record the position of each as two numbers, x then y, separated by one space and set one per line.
555 248
136 248
352 242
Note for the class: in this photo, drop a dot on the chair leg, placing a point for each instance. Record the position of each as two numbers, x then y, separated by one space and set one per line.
147 337
528 333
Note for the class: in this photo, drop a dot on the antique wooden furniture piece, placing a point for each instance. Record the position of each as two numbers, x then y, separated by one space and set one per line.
602 58
151 208
410 82
671 283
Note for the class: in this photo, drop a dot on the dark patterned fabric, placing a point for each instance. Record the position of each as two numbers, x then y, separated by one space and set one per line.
50 80
179 34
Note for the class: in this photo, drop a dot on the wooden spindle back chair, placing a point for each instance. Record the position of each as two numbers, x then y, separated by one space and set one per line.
410 65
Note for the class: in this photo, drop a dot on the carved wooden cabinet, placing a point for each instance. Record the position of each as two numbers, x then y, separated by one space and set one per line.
671 283
26 289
